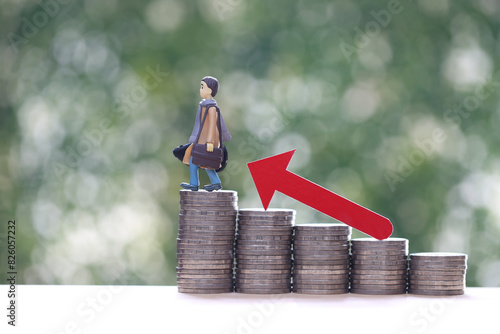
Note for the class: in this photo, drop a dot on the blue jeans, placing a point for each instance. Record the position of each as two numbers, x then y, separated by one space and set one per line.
195 179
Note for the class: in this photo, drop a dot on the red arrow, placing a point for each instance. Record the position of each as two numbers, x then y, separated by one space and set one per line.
270 175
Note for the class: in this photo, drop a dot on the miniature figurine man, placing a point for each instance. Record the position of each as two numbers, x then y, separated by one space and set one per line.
209 135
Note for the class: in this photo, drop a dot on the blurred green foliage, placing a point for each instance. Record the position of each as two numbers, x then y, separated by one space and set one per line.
395 105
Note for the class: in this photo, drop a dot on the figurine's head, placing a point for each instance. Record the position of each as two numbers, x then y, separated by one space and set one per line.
209 87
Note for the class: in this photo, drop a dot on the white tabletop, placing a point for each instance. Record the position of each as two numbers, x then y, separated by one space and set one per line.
48 309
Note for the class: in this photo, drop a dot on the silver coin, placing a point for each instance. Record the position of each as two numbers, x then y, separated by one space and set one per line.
338 241
378 246
326 274
323 264
282 281
341 247
436 292
377 271
379 257
225 280
204 272
250 243
309 284
263 257
320 292
437 267
329 246
438 255
304 254
263 252
317 271
256 233
321 279
207 232
215 232
436 287
207 219
378 292
250 228
376 242
387 250
268 212
315 266
270 224
182 256
208 213
437 283
262 291
263 266
269 247
304 258
363 263
201 242
378 282
198 247
260 276
196 251
377 267
322 273
267 285
203 261
208 224
321 237
330 235
202 193
204 277
216 202
380 252
262 271
205 208
378 277
436 277
209 228
210 199
226 266
320 286
324 226
449 272
204 291
266 222
263 237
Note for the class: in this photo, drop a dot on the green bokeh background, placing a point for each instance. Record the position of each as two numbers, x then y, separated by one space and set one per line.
394 105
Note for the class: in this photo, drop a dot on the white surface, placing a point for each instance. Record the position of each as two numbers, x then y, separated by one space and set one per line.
161 309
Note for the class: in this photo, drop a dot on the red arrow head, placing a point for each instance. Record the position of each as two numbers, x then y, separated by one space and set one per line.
267 174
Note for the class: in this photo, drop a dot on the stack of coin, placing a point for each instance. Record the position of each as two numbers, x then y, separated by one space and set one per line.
205 257
379 267
263 251
437 274
321 259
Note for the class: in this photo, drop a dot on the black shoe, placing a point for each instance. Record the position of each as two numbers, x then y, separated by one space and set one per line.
212 187
188 186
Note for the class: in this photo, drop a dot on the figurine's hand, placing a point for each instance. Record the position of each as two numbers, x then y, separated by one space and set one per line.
210 147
